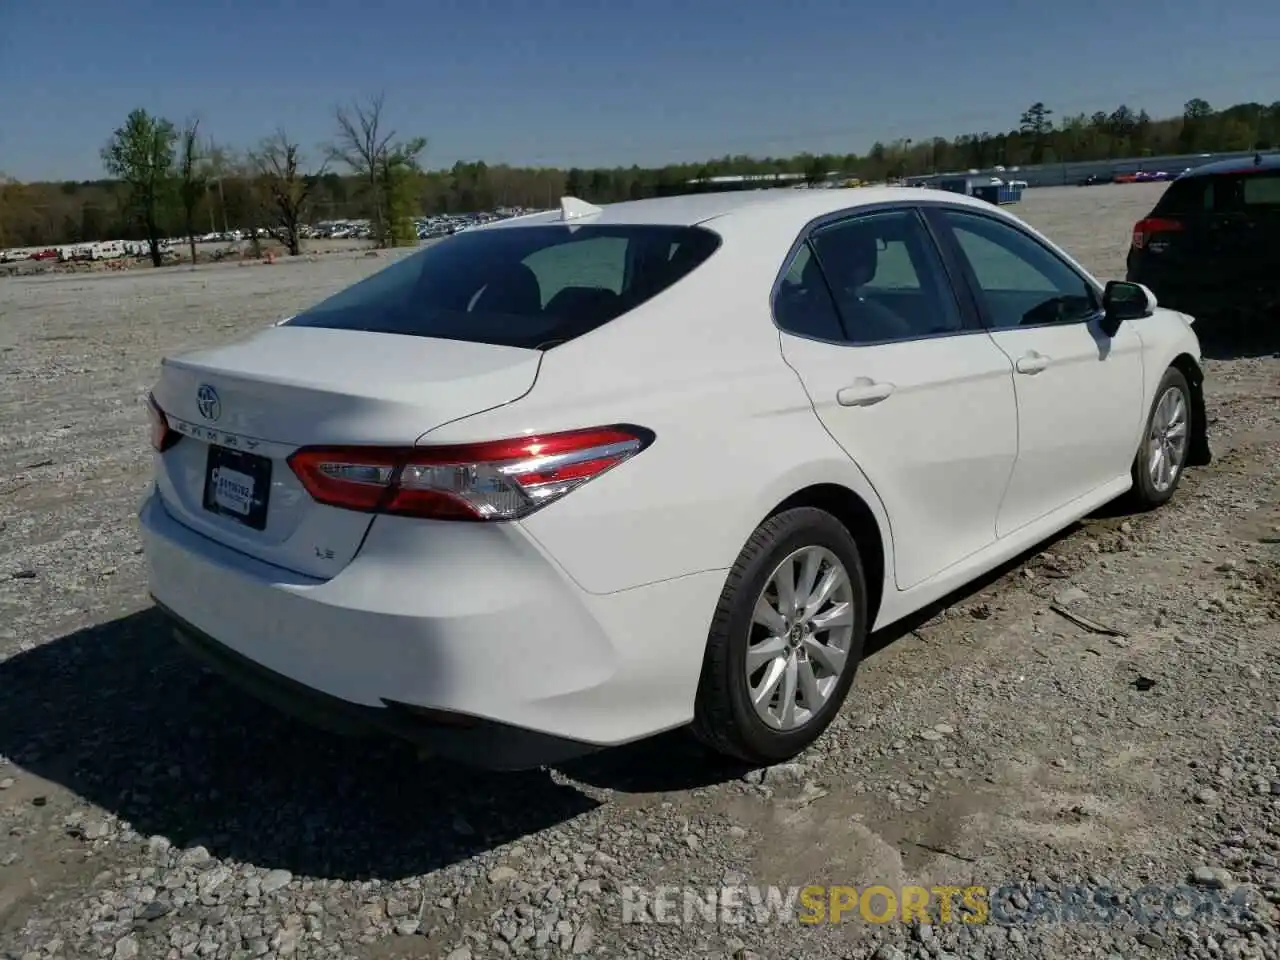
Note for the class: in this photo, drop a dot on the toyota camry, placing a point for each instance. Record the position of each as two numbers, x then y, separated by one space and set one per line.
572 479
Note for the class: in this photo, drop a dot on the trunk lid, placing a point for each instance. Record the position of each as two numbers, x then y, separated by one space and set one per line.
243 409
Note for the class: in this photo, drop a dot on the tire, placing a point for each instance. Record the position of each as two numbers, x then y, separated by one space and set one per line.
1147 493
725 718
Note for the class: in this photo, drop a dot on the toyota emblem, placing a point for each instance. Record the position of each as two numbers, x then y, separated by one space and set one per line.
207 402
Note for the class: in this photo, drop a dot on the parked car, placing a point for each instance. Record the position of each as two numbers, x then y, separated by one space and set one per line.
1211 244
565 481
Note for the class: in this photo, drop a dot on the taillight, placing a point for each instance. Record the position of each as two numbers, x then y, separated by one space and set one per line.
162 435
494 480
1144 229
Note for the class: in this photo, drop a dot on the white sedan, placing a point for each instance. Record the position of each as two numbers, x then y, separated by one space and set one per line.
568 480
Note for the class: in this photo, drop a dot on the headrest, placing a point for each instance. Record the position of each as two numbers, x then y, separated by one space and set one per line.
511 289
575 303
851 254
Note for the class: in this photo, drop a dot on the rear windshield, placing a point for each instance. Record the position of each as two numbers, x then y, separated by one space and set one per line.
526 286
1185 197
1222 193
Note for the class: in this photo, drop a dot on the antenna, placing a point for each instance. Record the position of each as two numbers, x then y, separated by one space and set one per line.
571 208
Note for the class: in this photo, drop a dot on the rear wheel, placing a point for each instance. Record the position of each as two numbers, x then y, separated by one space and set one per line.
786 640
1162 456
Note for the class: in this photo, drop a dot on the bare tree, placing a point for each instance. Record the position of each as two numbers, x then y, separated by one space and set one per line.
191 180
359 144
371 152
286 190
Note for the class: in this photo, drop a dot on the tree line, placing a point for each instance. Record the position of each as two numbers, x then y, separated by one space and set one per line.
163 176
167 179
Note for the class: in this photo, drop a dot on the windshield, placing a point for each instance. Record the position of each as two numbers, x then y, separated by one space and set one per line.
525 286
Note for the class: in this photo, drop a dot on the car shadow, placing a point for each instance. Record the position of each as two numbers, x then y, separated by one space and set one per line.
118 714
1239 341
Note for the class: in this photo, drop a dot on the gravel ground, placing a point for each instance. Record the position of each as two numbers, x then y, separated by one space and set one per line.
148 810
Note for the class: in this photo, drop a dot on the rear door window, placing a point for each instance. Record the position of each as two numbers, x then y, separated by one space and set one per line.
802 304
1260 190
886 277
1247 219
1239 193
521 286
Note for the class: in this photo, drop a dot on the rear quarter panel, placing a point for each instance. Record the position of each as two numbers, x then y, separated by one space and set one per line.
701 366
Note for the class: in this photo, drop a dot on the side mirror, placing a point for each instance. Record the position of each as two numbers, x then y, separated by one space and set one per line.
1123 301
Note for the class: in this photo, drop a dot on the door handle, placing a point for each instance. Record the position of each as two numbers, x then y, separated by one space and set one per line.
1032 362
863 392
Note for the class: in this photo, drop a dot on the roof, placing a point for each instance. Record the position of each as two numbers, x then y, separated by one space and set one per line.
1270 161
781 208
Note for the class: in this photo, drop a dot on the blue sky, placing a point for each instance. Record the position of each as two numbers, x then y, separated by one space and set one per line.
571 82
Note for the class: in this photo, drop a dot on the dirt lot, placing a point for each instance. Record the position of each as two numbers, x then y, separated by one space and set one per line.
147 810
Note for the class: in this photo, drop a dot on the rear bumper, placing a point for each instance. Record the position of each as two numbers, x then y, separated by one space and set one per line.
470 740
463 638
1185 292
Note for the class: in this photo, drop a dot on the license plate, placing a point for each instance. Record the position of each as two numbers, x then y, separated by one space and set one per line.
237 485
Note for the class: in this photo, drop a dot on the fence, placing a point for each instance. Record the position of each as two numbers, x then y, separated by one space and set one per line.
1065 174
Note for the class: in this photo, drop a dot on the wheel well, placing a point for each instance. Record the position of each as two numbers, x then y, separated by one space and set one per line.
852 511
1199 454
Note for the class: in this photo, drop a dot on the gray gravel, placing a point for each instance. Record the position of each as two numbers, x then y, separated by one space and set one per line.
148 810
